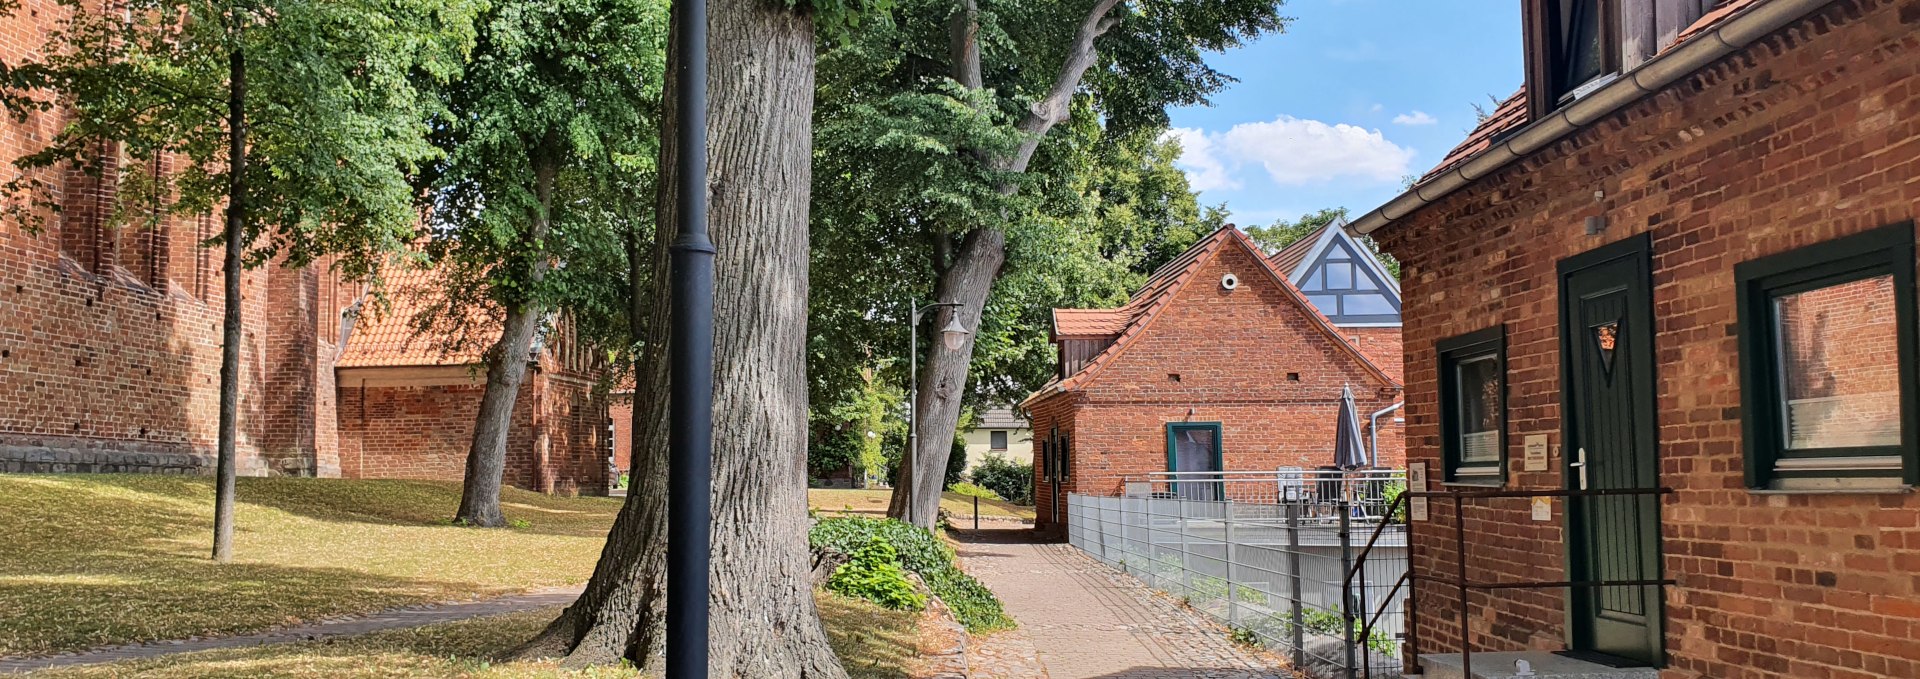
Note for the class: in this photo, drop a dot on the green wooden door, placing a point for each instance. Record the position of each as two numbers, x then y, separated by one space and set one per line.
1607 407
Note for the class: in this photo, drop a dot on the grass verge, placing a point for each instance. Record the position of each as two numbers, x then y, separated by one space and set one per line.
93 560
873 643
873 502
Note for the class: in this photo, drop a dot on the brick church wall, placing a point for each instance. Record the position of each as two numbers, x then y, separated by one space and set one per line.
109 335
1807 135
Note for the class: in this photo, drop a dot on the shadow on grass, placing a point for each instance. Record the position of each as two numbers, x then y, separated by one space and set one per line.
100 560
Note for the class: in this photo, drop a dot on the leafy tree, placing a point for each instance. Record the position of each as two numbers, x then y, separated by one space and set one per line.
301 117
958 100
542 191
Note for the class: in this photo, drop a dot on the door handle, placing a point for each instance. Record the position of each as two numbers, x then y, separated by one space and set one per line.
1581 465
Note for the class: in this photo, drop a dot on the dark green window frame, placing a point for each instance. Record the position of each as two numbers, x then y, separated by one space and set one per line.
1884 251
1453 351
1219 451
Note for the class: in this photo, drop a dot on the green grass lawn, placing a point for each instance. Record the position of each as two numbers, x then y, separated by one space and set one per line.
106 559
873 501
873 643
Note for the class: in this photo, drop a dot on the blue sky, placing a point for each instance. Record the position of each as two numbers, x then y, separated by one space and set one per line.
1355 95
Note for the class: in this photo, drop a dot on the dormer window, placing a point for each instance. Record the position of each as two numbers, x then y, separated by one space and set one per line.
1573 47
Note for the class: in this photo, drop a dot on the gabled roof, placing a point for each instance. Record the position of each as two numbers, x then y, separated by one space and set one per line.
1146 305
388 339
1511 114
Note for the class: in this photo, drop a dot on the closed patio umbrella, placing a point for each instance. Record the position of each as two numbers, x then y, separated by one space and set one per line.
1348 452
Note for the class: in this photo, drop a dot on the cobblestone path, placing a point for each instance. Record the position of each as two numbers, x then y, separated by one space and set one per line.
1084 620
411 616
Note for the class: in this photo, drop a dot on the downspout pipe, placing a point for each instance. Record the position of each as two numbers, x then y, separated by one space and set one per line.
1373 430
1735 33
690 361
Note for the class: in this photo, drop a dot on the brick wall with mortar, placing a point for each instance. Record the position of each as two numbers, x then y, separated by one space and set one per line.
109 336
556 444
1807 135
1248 358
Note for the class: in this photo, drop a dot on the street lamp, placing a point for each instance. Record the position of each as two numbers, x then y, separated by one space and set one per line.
953 335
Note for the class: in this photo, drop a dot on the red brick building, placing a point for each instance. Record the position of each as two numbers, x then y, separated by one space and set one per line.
1219 363
1681 257
110 352
407 402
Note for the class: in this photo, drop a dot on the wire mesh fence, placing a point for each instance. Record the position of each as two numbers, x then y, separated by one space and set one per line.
1272 565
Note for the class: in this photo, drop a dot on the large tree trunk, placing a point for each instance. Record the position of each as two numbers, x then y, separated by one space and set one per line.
970 277
507 363
230 335
763 618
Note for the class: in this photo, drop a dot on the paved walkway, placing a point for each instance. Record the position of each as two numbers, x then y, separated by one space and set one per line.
1087 621
411 616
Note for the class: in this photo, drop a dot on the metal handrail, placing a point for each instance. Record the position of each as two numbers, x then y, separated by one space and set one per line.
1461 583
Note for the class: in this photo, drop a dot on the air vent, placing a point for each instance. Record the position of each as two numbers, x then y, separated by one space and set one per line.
1229 281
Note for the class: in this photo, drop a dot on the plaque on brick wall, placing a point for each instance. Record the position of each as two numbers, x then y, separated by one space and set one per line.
1536 450
1417 481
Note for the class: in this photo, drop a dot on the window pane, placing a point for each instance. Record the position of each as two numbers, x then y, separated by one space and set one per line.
1479 398
1839 365
1339 276
1364 282
1327 304
1577 56
997 440
1369 305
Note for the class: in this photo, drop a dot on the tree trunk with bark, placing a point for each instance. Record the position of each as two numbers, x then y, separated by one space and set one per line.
970 276
231 328
764 622
507 362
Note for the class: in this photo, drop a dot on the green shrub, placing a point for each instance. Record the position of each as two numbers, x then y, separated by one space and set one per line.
919 551
971 490
1010 480
873 573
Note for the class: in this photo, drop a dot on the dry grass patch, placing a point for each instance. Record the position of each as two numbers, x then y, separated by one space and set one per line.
873 643
98 560
873 502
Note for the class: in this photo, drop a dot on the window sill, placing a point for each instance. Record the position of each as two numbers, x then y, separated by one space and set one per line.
1902 490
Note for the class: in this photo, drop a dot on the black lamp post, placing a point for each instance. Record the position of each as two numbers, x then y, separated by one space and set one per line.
690 429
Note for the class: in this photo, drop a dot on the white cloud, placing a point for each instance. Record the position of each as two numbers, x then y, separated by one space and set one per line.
1415 118
1292 151
1206 171
1377 108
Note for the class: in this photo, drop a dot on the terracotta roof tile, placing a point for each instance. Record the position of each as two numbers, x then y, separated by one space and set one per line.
388 339
1511 115
1088 322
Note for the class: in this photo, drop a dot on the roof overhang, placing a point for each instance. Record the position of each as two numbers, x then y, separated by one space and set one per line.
1664 69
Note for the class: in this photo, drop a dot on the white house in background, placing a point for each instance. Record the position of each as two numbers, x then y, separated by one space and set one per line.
1002 433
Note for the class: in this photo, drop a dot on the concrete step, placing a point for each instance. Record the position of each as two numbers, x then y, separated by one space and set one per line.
1545 665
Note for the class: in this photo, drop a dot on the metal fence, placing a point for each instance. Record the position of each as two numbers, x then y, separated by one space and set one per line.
1268 555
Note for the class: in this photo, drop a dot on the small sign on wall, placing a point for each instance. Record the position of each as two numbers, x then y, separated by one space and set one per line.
1543 509
1536 451
1417 481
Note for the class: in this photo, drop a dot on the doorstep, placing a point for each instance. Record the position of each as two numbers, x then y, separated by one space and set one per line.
1545 665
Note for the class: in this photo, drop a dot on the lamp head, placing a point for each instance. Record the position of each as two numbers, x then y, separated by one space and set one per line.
954 334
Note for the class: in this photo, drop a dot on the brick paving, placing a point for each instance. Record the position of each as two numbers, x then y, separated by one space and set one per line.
1083 620
398 618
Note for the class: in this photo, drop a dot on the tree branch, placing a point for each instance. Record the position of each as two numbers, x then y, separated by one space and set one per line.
1053 109
963 45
